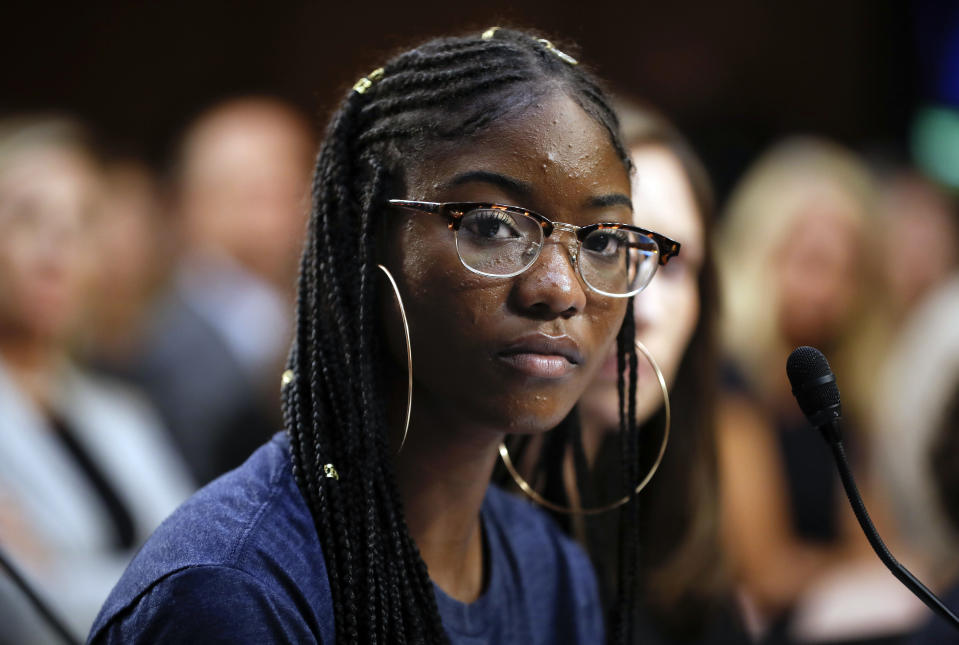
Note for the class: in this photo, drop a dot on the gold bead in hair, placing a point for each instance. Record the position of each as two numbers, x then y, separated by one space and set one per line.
330 471
364 83
287 378
563 56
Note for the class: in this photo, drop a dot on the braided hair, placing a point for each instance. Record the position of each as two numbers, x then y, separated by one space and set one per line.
444 91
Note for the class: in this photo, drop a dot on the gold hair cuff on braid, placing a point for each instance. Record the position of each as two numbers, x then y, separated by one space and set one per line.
329 469
563 56
364 83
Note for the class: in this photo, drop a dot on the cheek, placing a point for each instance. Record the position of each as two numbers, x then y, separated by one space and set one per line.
686 312
596 329
450 312
671 329
452 309
446 303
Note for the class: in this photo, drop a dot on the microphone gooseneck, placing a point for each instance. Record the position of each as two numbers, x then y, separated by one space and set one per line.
814 386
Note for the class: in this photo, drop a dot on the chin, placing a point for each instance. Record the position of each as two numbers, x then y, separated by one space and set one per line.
532 421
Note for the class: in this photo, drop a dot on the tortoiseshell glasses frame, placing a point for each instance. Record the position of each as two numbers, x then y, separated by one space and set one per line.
489 255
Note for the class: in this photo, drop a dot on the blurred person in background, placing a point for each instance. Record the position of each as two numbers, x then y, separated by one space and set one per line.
135 235
921 237
943 458
214 351
915 385
798 260
686 592
684 589
86 469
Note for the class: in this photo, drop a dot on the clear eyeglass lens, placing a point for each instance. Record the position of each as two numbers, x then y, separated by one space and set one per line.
498 242
611 260
617 261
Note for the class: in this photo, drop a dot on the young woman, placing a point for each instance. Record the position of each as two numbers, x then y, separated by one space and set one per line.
353 528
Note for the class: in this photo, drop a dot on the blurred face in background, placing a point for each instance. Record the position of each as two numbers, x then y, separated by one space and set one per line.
135 245
244 185
130 233
667 310
48 199
818 268
920 238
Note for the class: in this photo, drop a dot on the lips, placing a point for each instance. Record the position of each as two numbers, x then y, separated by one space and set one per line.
542 356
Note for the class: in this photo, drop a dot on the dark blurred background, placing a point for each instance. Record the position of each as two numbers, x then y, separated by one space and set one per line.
167 292
734 75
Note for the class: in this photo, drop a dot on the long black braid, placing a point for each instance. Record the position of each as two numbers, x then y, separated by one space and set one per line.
446 90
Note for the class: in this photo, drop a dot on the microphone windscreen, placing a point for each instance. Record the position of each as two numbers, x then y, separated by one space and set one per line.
807 368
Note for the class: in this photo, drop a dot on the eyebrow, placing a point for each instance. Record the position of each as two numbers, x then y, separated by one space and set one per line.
613 199
519 188
524 190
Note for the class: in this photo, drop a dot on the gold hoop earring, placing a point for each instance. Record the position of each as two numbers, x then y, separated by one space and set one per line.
596 510
409 354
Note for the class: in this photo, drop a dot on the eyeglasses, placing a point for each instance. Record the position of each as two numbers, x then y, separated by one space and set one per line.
613 259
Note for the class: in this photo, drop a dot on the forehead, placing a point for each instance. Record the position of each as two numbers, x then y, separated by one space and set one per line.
551 144
49 176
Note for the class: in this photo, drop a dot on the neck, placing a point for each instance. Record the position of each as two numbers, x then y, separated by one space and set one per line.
32 365
443 472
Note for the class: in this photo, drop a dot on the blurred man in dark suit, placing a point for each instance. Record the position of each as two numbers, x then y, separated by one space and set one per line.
215 346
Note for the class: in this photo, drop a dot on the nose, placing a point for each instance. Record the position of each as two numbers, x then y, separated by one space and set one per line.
551 287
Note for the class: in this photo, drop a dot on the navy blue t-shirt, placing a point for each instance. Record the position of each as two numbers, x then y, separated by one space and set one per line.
240 562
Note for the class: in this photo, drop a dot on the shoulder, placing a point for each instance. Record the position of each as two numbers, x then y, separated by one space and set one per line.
207 603
249 531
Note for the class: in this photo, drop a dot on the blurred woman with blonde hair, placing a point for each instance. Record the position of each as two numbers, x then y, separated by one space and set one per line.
798 267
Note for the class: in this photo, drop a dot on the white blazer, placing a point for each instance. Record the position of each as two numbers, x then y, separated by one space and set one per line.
42 483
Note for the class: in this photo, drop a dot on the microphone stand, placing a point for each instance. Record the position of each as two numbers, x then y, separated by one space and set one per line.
831 432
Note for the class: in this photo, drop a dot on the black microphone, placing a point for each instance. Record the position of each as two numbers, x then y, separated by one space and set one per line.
814 386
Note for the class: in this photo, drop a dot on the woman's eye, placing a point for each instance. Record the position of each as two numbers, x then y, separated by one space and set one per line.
605 243
491 225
